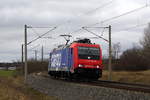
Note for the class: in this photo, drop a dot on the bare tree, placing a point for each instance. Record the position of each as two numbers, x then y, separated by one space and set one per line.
145 42
146 38
132 59
116 50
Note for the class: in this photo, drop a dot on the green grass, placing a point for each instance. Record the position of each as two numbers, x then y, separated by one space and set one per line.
7 72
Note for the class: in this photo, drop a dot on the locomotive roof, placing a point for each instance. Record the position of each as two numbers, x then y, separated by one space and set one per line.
82 42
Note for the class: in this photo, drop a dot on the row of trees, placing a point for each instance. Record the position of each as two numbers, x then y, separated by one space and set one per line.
136 58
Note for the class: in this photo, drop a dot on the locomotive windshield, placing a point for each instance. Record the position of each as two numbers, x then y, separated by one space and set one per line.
89 53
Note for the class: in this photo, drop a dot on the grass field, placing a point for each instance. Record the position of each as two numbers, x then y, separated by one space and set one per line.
142 77
12 87
7 72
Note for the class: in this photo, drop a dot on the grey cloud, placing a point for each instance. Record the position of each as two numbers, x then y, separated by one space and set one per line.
70 15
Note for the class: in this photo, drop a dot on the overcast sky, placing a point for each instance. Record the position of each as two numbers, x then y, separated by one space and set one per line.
68 16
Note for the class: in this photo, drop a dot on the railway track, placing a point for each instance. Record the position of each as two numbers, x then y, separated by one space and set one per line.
121 85
110 84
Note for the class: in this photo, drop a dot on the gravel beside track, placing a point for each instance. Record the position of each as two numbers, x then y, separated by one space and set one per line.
72 91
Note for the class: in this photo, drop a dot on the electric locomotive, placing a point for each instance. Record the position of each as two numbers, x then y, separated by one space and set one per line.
78 59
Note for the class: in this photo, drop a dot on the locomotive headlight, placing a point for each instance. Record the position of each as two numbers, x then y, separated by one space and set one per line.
80 65
97 66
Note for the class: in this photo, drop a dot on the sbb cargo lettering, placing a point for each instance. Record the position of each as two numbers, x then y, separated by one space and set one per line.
56 60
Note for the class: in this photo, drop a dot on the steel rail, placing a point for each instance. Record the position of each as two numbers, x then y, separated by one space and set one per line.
108 84
122 85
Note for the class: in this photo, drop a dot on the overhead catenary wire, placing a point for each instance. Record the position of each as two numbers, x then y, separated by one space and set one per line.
115 17
99 27
125 29
123 14
103 20
40 27
138 25
101 6
94 34
34 47
87 37
48 37
41 36
100 22
90 25
34 31
132 27
102 31
90 11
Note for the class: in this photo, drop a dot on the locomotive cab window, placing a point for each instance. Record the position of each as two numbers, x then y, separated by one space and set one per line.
90 53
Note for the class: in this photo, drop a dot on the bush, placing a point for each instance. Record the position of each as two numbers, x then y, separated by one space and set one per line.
131 59
37 66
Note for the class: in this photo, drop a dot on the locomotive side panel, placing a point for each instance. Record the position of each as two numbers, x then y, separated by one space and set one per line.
60 60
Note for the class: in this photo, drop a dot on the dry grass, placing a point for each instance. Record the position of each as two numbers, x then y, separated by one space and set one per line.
13 88
142 77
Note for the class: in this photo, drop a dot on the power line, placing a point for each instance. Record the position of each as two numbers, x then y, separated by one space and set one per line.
39 27
41 36
88 13
48 37
126 13
100 7
115 17
34 31
34 47
99 27
138 25
95 34
87 37
103 32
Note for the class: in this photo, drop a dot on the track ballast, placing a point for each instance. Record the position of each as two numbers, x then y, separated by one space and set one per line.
106 83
